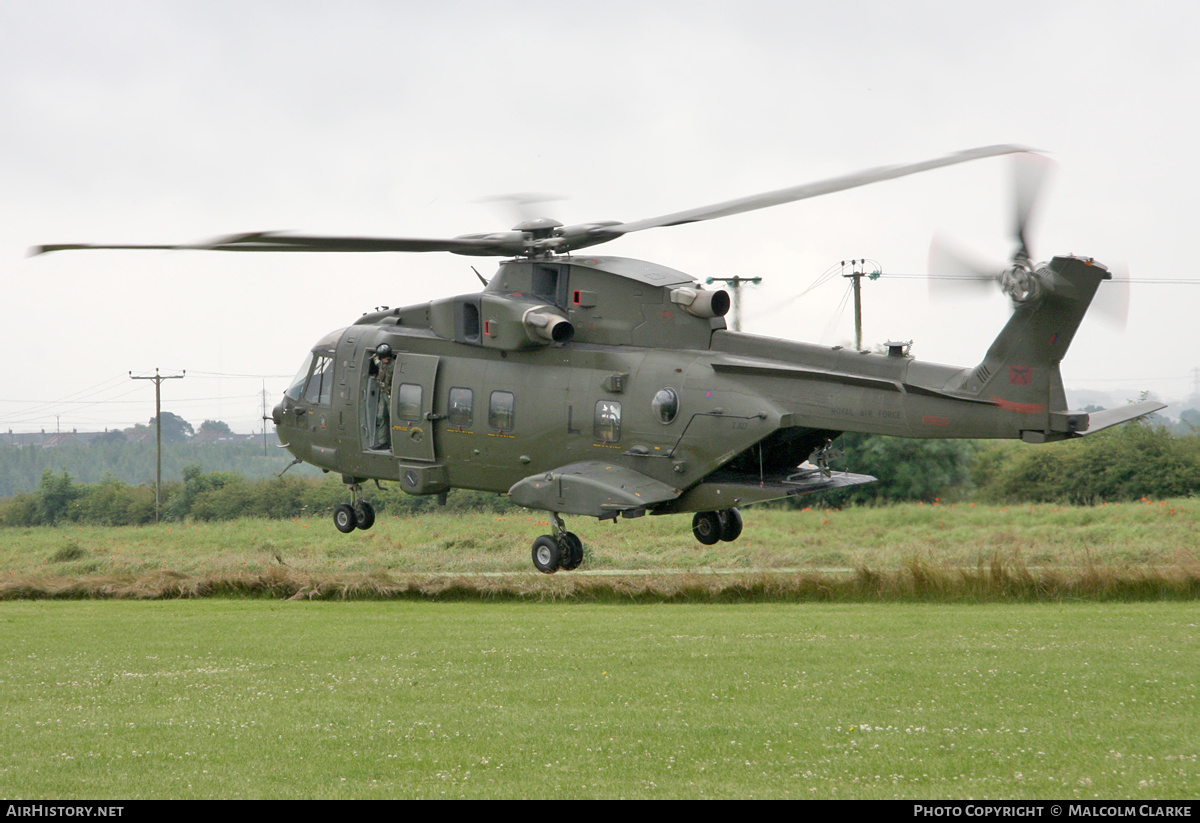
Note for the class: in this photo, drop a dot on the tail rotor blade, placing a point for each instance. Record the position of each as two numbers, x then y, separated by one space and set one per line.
952 274
1029 176
1112 299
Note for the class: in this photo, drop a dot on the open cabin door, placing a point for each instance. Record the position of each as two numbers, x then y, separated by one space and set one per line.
412 417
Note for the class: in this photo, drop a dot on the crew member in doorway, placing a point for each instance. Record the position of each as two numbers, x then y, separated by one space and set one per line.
381 371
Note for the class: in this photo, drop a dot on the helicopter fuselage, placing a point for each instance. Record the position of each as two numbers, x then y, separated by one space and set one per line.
606 386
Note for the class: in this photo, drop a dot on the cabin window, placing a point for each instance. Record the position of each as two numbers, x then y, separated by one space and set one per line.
607 423
320 382
408 402
665 405
461 409
500 410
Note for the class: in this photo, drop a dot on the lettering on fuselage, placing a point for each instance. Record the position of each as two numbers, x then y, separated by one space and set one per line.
870 414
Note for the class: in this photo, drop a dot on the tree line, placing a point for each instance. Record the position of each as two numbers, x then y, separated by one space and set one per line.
1121 464
22 467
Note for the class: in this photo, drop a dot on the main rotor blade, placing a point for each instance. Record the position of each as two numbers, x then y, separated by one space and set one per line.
484 245
806 190
560 239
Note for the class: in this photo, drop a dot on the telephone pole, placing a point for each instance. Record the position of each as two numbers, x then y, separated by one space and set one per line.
856 275
158 378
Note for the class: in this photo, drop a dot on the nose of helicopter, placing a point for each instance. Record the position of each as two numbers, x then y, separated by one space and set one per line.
277 413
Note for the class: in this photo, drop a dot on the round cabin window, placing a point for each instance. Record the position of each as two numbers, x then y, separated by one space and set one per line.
665 405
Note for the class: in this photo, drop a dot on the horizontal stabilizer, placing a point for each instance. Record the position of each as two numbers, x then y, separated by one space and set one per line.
1107 418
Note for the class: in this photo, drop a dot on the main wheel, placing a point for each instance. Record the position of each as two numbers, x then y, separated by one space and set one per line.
706 526
572 551
547 557
731 524
364 515
344 519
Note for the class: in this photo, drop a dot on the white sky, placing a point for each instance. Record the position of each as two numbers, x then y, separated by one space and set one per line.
144 122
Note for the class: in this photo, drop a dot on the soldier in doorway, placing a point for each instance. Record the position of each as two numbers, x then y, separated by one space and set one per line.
381 371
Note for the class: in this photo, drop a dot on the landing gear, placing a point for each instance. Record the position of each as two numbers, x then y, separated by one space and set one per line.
573 557
711 527
364 515
344 519
547 556
706 526
731 524
357 514
561 550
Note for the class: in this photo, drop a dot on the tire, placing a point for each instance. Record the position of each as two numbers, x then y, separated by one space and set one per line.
706 527
731 524
572 551
344 519
547 557
364 515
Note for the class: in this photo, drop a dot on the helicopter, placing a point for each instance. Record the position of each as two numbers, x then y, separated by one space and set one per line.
611 388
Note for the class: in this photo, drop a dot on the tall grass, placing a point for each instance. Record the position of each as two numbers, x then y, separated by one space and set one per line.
1137 551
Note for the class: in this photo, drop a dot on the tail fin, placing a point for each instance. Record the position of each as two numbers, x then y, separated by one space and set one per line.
1020 371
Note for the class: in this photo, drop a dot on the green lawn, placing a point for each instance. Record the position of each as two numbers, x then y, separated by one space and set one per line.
224 698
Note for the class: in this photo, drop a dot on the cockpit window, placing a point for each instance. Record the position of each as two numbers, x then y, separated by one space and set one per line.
297 386
320 383
323 352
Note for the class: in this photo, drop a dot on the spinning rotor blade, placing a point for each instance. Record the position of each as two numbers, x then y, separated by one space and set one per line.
524 205
544 236
951 274
484 245
1019 279
1112 299
806 190
1029 175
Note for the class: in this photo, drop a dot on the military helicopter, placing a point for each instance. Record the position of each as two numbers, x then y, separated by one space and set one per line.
610 387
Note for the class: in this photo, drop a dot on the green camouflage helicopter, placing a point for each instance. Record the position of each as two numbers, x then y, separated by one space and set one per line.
611 387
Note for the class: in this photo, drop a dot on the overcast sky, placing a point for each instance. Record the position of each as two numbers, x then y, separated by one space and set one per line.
171 122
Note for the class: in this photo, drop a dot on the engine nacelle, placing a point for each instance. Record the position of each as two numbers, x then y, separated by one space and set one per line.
702 303
543 325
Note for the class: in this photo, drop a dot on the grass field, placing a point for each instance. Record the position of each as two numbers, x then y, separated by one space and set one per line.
251 698
911 652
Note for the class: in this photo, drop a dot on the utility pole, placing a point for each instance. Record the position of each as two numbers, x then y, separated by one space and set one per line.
856 275
264 417
734 284
158 378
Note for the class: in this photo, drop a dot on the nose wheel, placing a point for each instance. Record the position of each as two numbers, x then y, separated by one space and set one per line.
357 514
561 550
